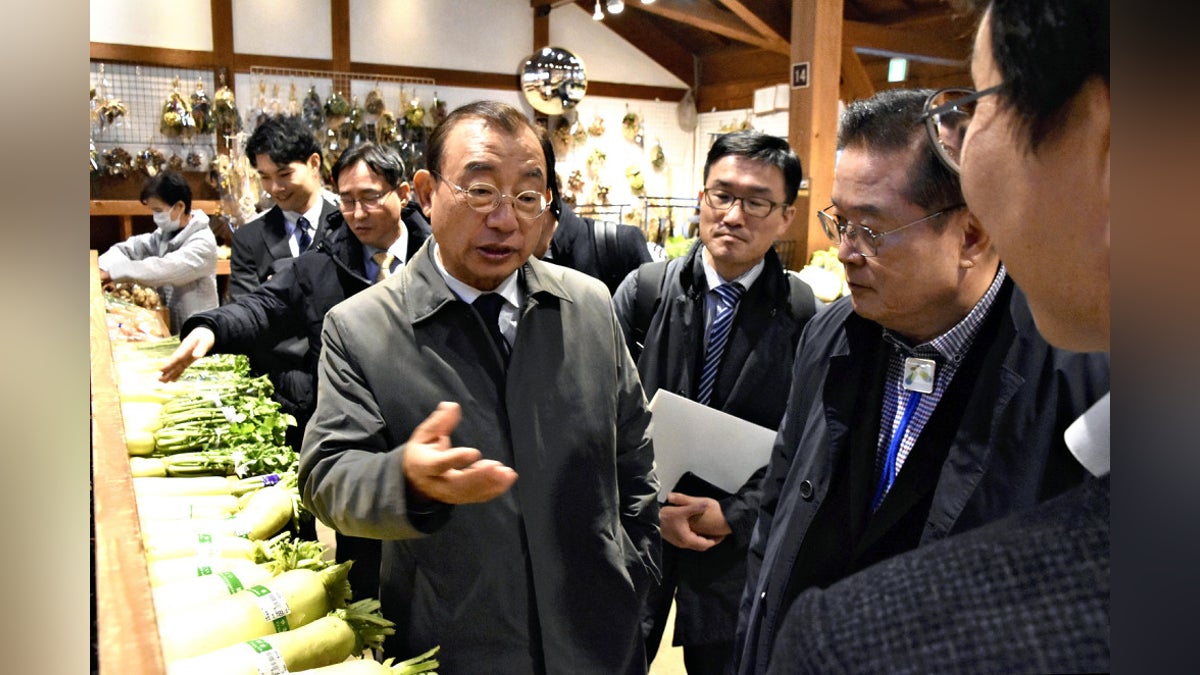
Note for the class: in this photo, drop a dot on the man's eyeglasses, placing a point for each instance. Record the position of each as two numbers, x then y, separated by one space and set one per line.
367 201
947 114
751 206
863 239
485 198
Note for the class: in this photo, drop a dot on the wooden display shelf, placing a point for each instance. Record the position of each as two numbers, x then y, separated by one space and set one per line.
127 629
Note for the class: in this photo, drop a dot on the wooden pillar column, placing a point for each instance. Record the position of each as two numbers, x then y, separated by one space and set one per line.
816 40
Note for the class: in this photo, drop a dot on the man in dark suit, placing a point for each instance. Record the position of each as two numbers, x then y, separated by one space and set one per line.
288 159
751 180
607 251
922 406
1029 593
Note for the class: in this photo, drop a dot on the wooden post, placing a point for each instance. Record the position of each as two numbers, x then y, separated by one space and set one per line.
813 113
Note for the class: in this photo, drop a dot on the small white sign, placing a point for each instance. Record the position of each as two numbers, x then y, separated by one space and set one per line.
800 75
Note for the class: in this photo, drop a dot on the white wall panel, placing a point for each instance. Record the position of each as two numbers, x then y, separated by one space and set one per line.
491 36
297 28
179 24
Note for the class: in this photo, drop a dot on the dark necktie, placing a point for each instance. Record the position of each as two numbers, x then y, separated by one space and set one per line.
303 238
718 335
488 305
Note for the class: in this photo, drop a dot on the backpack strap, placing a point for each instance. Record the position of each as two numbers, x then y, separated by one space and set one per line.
650 280
605 237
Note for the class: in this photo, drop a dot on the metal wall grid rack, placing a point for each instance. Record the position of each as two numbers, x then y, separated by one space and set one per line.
666 222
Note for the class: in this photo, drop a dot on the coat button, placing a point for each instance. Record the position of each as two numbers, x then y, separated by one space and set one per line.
806 490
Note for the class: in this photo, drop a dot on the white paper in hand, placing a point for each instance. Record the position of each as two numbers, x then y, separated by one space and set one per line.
716 446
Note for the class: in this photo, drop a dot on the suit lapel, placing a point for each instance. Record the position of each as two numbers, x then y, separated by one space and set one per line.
275 234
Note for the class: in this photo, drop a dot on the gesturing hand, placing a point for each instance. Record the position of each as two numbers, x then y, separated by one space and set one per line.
195 345
436 471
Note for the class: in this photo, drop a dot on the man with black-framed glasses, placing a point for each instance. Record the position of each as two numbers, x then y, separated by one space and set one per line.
923 405
719 326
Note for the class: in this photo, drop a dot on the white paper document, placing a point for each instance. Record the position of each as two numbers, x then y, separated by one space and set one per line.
716 446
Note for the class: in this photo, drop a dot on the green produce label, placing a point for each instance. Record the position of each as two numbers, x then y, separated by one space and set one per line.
267 659
232 583
273 606
204 570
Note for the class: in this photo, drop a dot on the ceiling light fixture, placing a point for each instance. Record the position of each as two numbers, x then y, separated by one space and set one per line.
647 2
598 15
615 6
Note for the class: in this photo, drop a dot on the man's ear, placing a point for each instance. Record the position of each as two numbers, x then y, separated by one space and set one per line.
314 163
404 192
423 184
788 212
977 243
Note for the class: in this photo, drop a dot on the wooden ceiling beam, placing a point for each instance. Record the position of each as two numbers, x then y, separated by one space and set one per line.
641 33
705 15
878 40
756 23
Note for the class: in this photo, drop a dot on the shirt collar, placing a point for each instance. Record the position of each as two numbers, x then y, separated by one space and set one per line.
313 216
398 249
1088 438
954 344
508 289
746 279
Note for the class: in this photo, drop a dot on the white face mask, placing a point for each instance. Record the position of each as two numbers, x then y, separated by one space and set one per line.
163 220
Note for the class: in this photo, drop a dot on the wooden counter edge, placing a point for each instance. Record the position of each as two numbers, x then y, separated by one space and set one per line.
126 625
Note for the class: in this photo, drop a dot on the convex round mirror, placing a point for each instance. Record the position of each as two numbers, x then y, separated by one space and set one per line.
553 80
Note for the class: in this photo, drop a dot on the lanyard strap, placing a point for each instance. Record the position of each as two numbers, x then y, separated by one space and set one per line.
888 475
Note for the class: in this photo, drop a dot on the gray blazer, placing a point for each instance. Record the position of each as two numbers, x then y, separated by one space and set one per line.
547 577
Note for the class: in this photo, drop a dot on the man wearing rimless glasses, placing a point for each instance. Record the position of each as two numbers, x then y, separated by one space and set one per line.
923 405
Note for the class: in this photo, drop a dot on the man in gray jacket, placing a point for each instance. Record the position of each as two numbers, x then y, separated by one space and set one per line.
524 365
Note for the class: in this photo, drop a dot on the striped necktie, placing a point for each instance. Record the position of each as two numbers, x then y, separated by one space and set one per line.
718 335
303 238
384 260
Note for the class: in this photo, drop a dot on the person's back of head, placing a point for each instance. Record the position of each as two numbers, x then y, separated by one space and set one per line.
170 187
283 138
760 147
1026 35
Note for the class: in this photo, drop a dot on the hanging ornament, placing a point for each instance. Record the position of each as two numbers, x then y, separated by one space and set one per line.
597 127
293 105
562 140
202 109
657 159
414 114
351 130
637 182
437 110
311 110
386 129
261 111
595 162
629 125
336 109
175 120
226 119
375 104
578 134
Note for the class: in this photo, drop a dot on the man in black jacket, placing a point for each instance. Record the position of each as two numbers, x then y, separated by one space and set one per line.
1029 593
923 405
607 251
751 180
373 235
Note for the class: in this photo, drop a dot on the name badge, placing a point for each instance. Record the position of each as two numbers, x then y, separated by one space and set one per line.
918 374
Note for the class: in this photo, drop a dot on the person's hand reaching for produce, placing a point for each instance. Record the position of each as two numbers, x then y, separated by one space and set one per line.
436 471
196 344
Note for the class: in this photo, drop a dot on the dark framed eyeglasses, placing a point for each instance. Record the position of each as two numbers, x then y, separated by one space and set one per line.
485 198
947 115
367 201
757 207
863 239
